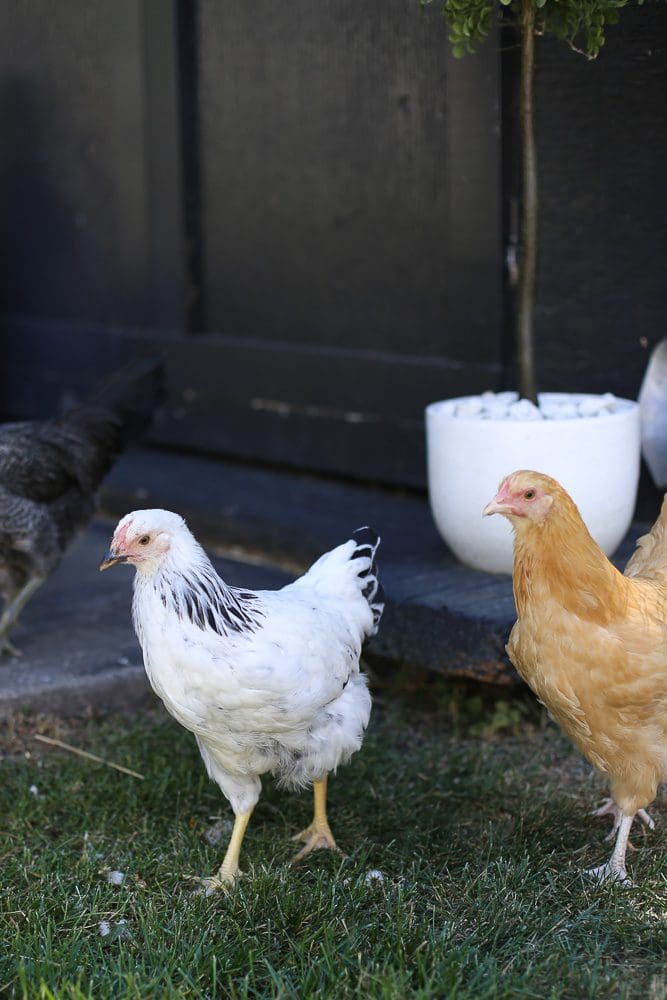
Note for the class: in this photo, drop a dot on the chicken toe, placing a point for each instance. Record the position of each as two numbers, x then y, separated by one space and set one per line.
318 835
217 883
315 837
610 873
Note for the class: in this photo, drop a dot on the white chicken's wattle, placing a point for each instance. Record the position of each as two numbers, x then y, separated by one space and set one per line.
268 681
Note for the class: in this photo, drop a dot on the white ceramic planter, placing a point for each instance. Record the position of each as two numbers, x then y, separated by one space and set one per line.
596 459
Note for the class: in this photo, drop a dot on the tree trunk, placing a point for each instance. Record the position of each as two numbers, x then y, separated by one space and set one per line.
528 248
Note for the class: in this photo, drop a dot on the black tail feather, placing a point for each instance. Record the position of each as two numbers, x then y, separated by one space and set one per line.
368 541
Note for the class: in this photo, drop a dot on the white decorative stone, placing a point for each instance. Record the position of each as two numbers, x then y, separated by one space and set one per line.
552 406
470 407
497 411
506 398
523 409
565 411
591 407
550 412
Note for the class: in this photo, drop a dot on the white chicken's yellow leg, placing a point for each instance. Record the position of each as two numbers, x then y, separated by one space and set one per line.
229 869
318 834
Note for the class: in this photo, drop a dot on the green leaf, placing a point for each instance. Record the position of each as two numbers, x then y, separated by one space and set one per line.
580 23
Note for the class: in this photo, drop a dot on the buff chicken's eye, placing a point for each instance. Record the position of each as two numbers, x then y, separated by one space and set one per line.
529 494
144 540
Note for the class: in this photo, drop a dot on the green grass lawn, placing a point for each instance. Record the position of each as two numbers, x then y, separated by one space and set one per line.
475 816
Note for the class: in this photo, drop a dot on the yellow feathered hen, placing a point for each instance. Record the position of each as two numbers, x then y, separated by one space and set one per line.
591 642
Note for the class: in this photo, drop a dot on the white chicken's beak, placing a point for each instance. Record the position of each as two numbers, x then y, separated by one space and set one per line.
110 559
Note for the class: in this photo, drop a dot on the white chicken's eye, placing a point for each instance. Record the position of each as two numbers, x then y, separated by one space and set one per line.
144 540
529 494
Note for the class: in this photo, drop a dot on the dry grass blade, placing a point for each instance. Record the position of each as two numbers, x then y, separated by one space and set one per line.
90 756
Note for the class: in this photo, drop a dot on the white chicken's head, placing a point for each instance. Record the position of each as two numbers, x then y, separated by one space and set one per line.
144 538
524 494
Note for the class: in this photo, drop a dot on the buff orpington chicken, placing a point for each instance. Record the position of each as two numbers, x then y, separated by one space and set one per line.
268 681
591 642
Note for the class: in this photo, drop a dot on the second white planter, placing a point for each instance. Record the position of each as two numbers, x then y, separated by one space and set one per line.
596 459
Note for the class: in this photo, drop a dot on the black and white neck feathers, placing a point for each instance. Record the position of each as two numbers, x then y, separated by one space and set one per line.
187 586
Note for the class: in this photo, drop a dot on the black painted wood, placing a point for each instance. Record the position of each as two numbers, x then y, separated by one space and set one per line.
312 188
602 139
334 169
351 171
325 410
74 226
191 195
164 143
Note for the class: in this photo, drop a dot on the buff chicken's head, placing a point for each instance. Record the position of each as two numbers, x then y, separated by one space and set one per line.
524 495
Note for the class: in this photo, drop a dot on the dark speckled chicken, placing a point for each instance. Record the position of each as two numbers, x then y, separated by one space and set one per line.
49 473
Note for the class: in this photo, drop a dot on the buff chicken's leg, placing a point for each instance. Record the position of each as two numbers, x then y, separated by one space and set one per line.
229 869
609 808
318 834
614 870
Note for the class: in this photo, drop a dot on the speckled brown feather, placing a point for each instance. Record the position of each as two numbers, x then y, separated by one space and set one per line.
592 644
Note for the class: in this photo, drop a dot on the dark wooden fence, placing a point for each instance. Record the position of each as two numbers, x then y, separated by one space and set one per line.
304 207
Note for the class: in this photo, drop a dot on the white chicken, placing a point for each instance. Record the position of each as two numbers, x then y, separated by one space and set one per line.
268 681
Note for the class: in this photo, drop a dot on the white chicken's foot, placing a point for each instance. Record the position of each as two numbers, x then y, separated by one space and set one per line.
216 883
318 835
229 870
609 808
615 870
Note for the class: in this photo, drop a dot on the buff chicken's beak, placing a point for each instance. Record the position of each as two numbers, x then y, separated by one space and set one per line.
499 505
110 559
493 507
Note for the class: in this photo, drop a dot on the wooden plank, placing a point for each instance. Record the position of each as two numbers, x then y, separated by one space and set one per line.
351 179
346 269
73 223
602 144
163 145
190 157
299 407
